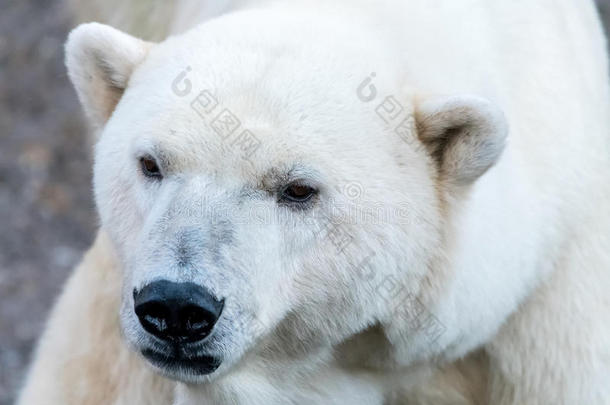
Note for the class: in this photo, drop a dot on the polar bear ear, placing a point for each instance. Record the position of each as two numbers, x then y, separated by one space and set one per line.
465 135
100 60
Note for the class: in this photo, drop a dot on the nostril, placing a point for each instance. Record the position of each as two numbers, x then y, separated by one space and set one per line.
196 320
154 316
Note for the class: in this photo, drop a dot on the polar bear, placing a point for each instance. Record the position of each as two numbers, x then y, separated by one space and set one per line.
343 202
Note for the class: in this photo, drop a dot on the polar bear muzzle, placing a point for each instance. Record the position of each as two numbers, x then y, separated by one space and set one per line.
177 312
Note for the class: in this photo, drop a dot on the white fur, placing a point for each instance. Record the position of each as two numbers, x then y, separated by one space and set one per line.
499 242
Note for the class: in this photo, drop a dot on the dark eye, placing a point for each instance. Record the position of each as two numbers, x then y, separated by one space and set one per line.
298 193
149 167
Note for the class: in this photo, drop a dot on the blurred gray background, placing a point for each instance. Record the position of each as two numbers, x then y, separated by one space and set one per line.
47 217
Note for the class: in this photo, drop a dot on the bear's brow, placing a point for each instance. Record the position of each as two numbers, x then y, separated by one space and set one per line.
280 176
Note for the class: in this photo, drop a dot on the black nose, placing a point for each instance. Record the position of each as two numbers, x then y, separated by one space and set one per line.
177 311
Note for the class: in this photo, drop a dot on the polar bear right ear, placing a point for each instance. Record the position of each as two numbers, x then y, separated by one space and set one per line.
465 135
100 61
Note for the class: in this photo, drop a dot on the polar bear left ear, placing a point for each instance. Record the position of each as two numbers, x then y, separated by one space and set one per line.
465 135
100 60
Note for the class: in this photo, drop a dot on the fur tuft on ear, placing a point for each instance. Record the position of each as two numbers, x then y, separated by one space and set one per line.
464 134
100 60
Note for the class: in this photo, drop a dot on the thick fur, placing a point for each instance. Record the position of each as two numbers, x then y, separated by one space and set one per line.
488 210
81 358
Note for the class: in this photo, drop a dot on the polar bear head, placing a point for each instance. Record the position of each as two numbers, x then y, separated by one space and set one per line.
263 195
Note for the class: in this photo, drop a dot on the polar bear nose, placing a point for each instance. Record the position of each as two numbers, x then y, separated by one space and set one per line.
177 312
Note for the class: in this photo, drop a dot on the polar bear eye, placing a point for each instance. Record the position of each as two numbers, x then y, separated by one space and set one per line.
298 193
149 167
